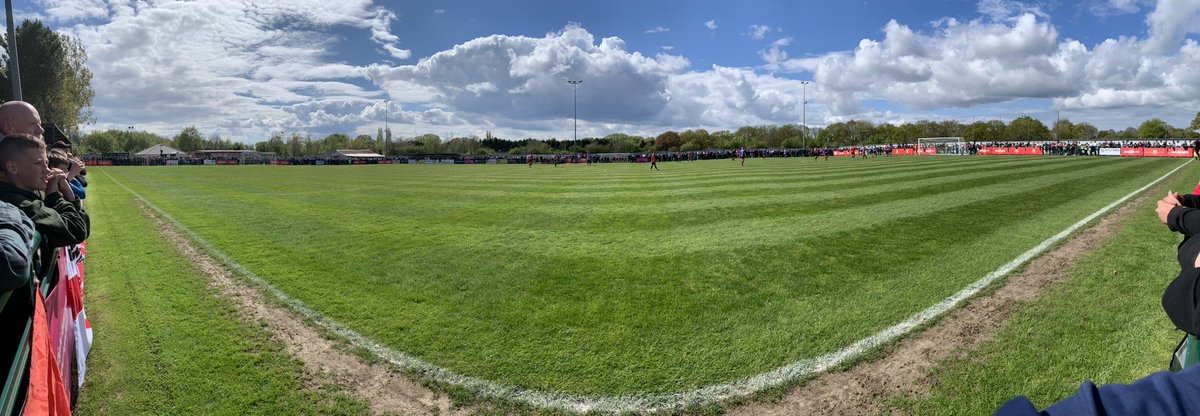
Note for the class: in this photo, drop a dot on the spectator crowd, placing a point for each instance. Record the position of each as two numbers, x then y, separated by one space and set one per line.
41 191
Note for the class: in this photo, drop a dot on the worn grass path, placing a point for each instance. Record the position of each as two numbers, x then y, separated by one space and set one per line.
1102 321
167 343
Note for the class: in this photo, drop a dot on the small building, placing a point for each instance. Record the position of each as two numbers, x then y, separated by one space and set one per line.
355 154
226 154
160 151
52 134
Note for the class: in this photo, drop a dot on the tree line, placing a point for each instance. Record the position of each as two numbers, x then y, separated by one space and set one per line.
849 133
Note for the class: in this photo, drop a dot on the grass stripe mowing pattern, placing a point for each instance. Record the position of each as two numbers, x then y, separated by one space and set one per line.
1103 323
482 284
164 344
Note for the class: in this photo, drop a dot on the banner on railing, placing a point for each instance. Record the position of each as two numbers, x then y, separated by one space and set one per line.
46 393
70 331
1156 152
1020 151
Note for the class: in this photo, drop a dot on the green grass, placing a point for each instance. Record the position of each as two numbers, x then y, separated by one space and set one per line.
1103 323
164 341
610 280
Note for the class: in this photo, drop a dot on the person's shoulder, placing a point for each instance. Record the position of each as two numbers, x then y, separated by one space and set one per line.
8 210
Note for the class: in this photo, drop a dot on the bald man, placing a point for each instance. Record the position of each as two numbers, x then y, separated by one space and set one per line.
19 117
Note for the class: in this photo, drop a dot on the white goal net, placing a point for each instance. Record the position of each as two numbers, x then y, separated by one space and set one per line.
941 146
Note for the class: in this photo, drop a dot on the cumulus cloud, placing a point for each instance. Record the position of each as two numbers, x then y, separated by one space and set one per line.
711 24
757 32
1115 7
1007 9
522 78
730 97
659 29
223 62
1012 53
67 10
1170 22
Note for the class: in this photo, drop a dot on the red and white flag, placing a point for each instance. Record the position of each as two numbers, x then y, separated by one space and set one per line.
71 266
46 394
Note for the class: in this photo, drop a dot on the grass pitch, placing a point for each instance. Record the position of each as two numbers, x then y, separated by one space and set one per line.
612 280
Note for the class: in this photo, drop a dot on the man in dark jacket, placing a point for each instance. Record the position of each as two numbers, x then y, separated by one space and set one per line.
43 194
16 247
1179 213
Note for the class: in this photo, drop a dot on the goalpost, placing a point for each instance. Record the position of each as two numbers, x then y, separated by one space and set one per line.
941 146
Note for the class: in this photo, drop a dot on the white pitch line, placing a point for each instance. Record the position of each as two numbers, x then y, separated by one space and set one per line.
650 402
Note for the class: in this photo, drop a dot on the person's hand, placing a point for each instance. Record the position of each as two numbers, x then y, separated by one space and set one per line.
52 180
1172 198
76 167
1164 208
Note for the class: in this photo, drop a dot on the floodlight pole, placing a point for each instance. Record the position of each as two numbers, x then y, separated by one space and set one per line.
14 69
575 85
804 113
386 133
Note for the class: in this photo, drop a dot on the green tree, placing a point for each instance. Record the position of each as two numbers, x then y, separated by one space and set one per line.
1085 131
858 131
696 139
668 140
363 141
54 77
189 139
984 131
835 134
1026 128
1195 123
1153 129
1064 130
333 142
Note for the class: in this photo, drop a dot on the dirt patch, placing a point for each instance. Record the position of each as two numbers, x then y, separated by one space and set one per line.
863 388
387 391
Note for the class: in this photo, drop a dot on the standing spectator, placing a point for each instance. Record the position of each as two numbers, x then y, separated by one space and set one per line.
58 215
16 247
19 117
61 160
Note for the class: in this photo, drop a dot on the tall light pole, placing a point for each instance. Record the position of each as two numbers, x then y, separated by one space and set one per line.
14 69
387 133
575 85
804 113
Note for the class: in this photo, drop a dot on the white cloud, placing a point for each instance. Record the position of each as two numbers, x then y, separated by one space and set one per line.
757 32
1007 10
668 48
439 11
959 66
68 10
1006 57
729 98
711 24
659 29
230 64
1170 22
526 77
1115 7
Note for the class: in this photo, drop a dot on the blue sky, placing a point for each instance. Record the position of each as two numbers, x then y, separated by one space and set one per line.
245 69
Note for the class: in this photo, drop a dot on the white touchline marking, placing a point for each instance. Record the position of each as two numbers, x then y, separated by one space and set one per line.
650 402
